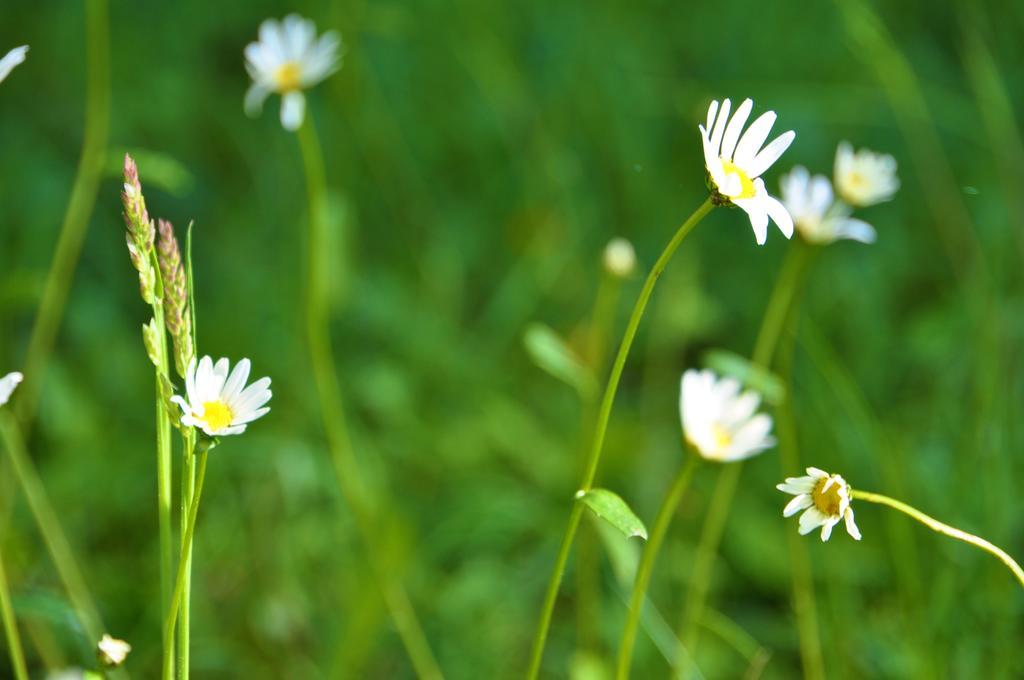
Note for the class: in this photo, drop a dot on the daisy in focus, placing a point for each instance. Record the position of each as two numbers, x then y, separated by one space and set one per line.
719 422
12 59
818 216
864 177
736 162
825 500
287 59
218 402
7 385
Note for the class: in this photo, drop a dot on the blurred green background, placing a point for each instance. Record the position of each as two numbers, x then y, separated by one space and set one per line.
480 155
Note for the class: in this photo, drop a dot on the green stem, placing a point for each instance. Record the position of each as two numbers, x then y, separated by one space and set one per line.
650 553
944 529
185 558
79 208
188 485
333 412
779 304
11 628
163 478
49 527
601 427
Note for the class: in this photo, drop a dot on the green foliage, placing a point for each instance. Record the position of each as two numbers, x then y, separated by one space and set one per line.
610 507
479 157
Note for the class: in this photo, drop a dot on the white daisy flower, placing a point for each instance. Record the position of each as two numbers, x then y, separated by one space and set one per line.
111 651
735 164
825 499
12 59
287 59
818 216
619 257
217 402
7 385
864 178
718 421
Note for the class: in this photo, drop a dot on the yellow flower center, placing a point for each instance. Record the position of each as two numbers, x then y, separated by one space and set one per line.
288 77
746 184
856 179
723 438
826 500
217 415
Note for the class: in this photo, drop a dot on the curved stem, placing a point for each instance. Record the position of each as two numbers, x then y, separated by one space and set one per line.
650 553
79 209
779 303
333 413
54 537
601 427
184 558
945 529
11 628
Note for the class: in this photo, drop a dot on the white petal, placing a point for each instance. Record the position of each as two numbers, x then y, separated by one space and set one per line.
851 526
855 230
716 134
732 132
754 138
770 154
12 59
254 98
826 529
7 385
712 110
797 504
777 211
811 520
293 110
236 381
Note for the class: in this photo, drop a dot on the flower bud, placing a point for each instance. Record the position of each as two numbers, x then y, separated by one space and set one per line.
619 258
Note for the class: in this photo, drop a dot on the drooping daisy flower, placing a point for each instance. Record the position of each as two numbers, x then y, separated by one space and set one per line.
735 164
287 59
818 217
864 178
217 402
12 59
7 385
825 500
718 421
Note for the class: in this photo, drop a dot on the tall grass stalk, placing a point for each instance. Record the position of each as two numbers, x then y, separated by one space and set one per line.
333 413
601 427
650 553
14 650
779 304
79 208
53 535
185 558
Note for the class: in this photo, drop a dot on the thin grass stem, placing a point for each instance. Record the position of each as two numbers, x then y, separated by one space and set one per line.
601 427
333 412
185 557
646 567
11 628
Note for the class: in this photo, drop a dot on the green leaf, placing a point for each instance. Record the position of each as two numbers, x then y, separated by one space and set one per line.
611 508
550 352
771 386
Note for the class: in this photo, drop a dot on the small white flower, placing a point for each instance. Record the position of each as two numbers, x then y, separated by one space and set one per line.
864 178
825 499
287 59
217 402
111 651
7 385
718 421
736 163
818 217
12 59
619 257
